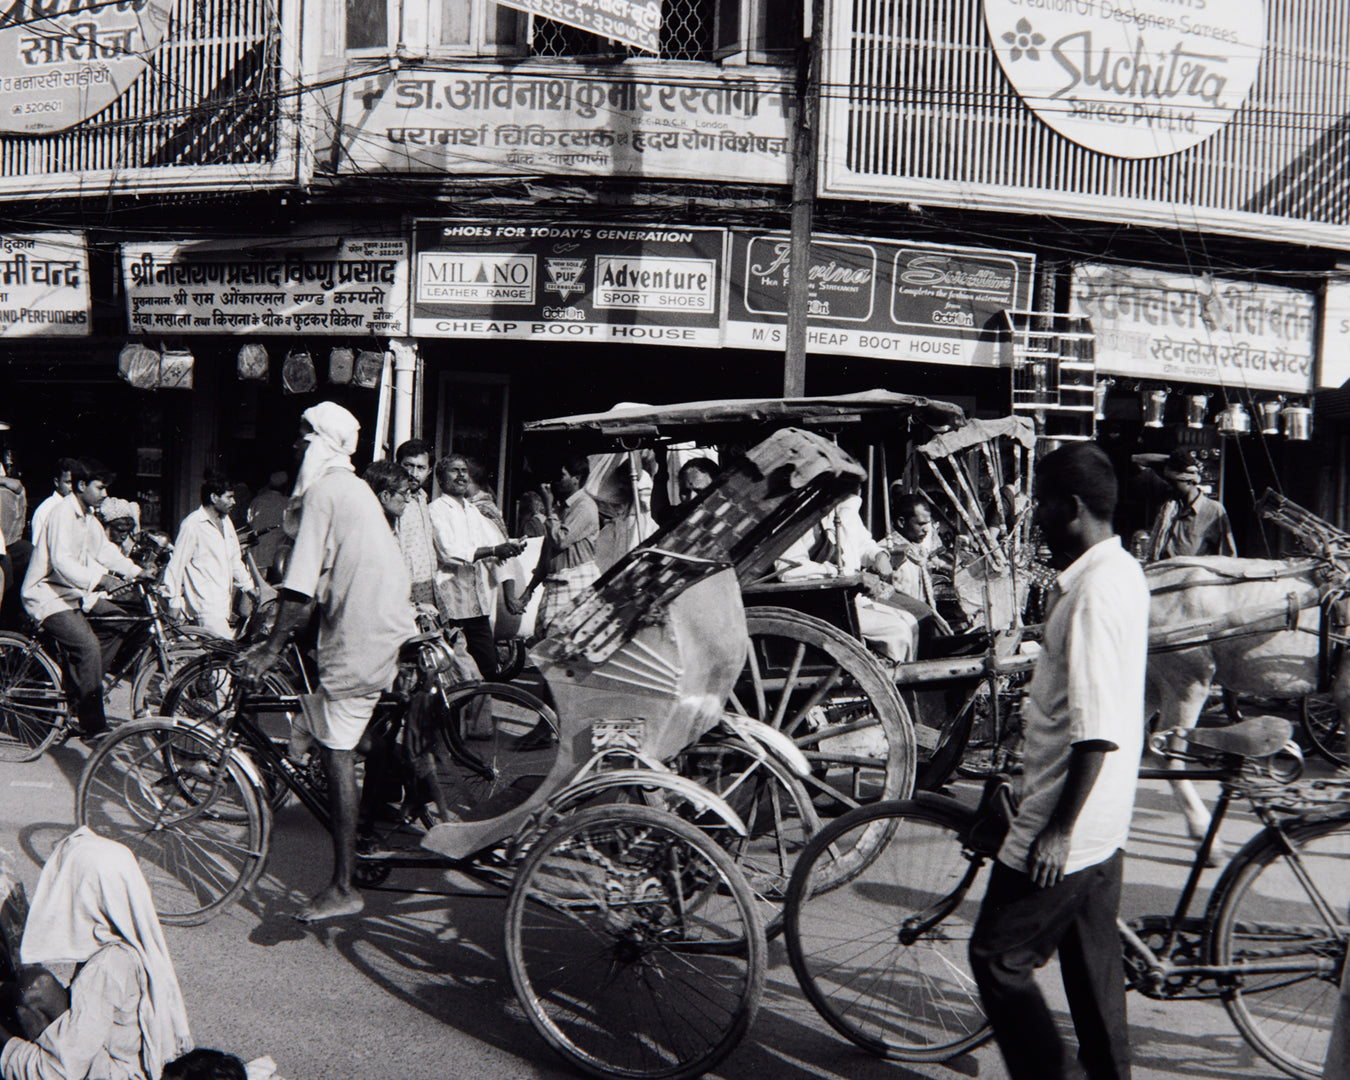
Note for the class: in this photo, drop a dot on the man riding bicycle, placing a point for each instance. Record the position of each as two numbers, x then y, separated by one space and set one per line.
73 567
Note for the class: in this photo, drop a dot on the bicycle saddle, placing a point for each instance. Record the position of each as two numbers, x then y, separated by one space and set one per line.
1254 737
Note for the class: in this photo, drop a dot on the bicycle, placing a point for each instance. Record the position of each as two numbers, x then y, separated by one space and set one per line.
35 707
610 904
884 962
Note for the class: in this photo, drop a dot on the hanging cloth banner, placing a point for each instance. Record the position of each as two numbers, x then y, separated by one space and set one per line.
635 23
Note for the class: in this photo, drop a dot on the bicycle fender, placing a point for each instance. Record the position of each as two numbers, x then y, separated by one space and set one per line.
768 738
690 790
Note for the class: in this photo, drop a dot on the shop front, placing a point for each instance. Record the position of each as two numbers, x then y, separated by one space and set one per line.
1219 367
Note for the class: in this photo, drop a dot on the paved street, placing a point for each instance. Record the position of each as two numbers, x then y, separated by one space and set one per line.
417 990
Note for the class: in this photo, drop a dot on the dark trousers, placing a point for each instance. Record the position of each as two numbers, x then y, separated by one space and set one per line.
1019 928
87 653
479 641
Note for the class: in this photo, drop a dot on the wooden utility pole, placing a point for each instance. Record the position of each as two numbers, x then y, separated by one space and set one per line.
805 148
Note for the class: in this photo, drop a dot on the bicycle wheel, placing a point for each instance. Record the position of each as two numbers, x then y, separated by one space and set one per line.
192 819
771 801
496 744
633 944
33 706
152 681
1266 914
1321 720
511 658
878 937
823 689
201 689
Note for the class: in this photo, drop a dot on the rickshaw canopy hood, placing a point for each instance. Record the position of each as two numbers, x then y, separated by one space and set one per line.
633 424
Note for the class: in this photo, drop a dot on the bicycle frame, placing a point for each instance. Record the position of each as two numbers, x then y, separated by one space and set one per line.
1160 966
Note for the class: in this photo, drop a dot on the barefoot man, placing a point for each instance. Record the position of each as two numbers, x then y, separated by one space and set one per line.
347 561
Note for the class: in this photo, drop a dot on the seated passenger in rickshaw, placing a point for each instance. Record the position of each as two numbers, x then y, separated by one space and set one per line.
891 622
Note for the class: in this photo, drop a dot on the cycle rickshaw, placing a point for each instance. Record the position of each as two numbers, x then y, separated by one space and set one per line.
633 937
872 732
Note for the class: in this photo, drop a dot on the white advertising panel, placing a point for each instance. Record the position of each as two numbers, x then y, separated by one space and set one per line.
44 285
353 288
1181 328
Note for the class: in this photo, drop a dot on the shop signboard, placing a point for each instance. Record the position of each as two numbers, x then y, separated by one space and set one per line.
1130 78
1184 328
44 285
522 121
1333 369
881 298
63 62
635 23
572 281
351 288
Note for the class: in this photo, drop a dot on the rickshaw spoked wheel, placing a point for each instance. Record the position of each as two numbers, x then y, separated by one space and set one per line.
821 687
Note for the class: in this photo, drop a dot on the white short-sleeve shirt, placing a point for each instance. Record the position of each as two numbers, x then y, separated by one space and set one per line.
347 559
1088 687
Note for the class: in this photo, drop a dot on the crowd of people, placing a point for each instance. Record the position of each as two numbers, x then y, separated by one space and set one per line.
371 556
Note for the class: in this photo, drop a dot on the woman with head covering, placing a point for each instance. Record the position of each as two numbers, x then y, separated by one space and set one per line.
126 1019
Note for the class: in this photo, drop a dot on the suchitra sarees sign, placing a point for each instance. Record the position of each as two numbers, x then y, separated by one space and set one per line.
63 61
572 281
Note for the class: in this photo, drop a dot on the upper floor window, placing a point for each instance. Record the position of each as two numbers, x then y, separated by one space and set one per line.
691 30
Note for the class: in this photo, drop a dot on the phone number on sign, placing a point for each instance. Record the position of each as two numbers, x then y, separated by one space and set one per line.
28 108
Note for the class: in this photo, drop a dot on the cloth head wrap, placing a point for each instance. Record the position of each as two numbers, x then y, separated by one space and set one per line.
111 509
331 443
91 895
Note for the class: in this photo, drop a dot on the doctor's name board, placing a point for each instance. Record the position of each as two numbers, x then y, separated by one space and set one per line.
522 121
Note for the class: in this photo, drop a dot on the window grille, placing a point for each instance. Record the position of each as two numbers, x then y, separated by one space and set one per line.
210 95
687 33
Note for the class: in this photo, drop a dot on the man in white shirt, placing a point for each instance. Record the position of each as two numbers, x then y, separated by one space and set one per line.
346 561
1056 884
414 530
207 565
469 549
72 567
61 487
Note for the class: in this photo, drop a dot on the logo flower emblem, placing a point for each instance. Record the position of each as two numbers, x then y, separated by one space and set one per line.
1024 40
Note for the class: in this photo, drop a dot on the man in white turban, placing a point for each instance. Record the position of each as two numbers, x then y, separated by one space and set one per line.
126 1018
347 562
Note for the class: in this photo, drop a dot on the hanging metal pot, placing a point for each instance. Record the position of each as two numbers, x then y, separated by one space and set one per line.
1099 395
1269 413
1196 407
1297 420
1155 404
1234 420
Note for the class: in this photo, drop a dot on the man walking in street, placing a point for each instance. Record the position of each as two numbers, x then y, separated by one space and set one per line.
207 565
1055 886
1189 522
345 560
72 566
